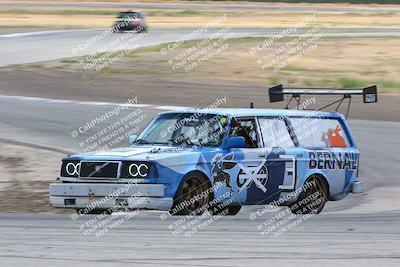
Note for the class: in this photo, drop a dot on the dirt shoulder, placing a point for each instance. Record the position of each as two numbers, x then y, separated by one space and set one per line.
26 173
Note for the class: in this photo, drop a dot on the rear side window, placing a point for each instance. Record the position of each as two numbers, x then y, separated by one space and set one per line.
319 132
275 133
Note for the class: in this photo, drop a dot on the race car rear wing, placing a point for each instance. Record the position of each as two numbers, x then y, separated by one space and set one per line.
277 93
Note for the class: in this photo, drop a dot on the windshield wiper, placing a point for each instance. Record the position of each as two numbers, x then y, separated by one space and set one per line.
145 142
160 143
142 141
176 142
185 142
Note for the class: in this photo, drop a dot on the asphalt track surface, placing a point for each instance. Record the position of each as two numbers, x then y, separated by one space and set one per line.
49 45
362 229
30 47
359 230
345 240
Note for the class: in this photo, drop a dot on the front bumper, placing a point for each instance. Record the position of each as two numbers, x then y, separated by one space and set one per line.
105 196
130 26
357 188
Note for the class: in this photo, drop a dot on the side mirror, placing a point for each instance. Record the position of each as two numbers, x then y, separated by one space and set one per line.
132 139
236 142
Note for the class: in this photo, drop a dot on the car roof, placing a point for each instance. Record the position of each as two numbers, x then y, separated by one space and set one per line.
130 12
245 112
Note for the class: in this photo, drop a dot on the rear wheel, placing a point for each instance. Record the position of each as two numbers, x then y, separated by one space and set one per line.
313 197
192 196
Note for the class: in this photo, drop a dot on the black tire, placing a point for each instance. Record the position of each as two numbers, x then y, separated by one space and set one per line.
312 199
140 29
194 184
228 210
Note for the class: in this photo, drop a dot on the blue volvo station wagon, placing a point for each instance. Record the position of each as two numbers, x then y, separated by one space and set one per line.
190 161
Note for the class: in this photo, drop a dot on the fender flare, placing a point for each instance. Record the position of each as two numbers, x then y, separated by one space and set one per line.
323 179
195 172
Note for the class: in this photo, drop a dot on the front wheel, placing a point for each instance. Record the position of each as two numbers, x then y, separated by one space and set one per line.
313 197
192 197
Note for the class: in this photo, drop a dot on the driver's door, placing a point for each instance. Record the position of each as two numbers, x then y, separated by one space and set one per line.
266 166
278 157
248 164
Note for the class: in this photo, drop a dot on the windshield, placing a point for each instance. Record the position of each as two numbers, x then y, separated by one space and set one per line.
130 15
185 129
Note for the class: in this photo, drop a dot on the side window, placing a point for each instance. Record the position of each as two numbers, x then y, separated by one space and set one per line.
275 133
319 132
247 128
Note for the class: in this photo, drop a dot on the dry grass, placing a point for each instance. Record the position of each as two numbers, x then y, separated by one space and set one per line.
346 62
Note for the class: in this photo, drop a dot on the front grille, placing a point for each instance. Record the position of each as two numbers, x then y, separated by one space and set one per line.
99 169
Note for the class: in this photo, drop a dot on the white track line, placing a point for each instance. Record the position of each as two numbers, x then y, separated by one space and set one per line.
23 34
89 103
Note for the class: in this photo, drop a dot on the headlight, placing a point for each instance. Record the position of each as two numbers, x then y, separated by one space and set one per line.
138 169
70 168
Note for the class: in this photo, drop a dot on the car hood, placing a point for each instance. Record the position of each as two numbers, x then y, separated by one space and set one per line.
140 152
